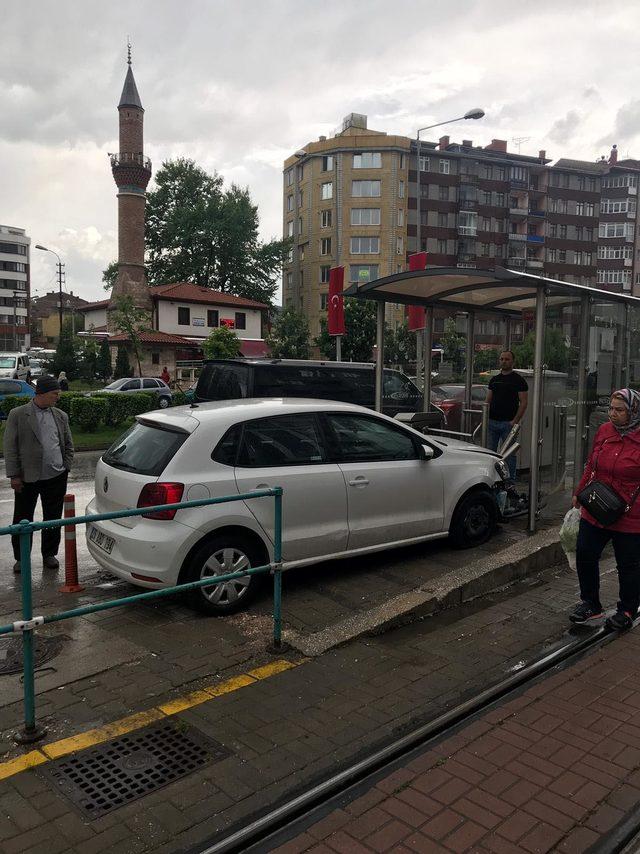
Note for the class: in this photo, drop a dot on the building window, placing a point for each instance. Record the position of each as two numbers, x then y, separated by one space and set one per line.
288 176
424 191
184 316
579 232
399 245
365 245
213 315
442 247
443 193
326 190
365 216
582 181
424 164
400 216
323 302
290 228
155 358
325 219
588 234
566 180
402 161
324 273
468 223
553 229
563 232
363 272
325 246
367 160
486 223
614 277
618 181
290 256
301 251
366 189
240 320
290 203
444 167
615 229
443 220
289 282
562 206
618 206
519 174
300 198
501 173
484 249
299 225
327 163
562 256
615 252
300 172
580 208
487 170
499 226
577 258
499 202
553 255
486 197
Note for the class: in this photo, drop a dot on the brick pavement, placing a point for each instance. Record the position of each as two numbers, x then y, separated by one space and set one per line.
284 733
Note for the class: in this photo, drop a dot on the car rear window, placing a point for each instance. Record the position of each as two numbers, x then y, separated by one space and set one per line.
144 449
223 382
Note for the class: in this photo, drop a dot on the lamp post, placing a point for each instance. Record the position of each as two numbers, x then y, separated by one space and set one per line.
424 363
59 265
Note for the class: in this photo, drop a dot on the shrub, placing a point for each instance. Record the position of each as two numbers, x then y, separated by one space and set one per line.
117 407
64 401
88 413
140 402
11 401
179 398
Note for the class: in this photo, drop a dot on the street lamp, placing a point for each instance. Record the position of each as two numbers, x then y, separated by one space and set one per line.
60 265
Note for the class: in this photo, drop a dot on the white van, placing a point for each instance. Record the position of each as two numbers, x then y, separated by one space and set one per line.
15 366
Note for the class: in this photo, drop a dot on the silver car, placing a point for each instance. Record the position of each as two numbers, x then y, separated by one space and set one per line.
130 385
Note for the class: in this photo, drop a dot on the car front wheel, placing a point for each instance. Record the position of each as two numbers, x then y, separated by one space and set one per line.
223 555
474 520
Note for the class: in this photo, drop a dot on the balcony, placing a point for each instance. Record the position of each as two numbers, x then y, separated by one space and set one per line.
535 238
534 264
513 235
468 178
534 212
516 263
518 212
517 184
468 204
468 230
126 158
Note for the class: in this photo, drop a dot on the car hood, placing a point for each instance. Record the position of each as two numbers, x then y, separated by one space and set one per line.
459 445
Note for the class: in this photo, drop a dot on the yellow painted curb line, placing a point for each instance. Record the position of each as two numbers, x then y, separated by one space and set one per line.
91 737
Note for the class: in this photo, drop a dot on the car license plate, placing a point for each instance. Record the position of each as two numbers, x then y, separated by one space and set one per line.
101 540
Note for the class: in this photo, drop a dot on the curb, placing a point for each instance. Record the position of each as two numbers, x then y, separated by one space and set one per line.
479 577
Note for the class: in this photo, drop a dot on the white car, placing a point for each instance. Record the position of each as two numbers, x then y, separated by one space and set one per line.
15 366
354 482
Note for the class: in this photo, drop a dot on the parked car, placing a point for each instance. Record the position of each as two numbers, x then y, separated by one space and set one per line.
354 482
36 367
17 387
15 366
351 382
450 398
131 385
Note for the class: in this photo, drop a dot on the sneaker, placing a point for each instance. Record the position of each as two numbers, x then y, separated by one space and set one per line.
620 621
585 613
50 562
16 567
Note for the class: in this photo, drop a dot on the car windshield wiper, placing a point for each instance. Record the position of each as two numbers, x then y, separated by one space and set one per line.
118 464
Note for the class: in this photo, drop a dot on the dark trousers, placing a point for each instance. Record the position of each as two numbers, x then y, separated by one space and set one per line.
626 547
51 493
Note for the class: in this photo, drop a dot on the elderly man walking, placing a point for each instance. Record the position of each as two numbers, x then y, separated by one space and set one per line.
38 453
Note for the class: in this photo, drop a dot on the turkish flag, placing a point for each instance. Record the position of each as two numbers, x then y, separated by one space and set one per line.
416 315
335 302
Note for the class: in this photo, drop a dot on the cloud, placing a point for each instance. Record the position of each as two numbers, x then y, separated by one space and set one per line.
627 125
563 129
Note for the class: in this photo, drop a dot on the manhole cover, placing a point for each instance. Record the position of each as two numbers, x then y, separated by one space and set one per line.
45 648
101 779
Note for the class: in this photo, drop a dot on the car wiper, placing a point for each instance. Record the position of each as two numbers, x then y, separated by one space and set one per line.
118 464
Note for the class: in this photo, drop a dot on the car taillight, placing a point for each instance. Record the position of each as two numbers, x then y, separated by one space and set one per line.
160 493
446 404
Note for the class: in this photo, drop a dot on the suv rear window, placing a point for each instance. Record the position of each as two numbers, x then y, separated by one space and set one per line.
223 382
144 449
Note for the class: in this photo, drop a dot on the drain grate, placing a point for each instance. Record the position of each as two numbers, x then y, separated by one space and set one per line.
104 778
45 648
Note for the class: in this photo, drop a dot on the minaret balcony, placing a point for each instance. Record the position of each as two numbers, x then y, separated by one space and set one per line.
127 158
130 171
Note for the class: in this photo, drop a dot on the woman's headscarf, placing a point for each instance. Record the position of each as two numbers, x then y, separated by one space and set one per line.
62 375
631 400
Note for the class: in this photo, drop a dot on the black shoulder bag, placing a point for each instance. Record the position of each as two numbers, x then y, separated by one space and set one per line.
602 501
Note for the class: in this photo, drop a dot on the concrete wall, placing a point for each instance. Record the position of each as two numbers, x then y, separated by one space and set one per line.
95 317
168 319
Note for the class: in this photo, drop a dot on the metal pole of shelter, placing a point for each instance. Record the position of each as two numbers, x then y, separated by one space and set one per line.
379 355
468 377
507 333
338 348
581 401
428 359
536 412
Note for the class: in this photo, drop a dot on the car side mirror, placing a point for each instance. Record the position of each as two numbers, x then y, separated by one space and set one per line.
425 452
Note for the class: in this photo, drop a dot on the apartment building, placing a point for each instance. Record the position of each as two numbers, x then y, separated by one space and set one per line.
14 288
355 199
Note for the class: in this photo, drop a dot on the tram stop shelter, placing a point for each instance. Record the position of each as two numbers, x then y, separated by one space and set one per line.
599 335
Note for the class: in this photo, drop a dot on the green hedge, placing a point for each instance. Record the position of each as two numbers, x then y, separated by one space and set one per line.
88 413
11 401
179 398
118 409
64 401
142 401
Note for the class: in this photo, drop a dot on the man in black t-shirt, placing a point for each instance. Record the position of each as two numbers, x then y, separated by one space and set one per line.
507 399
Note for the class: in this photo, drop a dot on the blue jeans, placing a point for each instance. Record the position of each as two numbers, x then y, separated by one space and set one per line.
626 547
498 431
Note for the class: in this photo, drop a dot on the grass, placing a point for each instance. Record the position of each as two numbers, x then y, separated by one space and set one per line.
101 438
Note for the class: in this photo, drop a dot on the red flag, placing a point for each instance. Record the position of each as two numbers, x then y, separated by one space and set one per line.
335 302
416 314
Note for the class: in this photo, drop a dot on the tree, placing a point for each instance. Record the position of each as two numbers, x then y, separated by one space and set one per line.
65 357
123 367
109 275
485 360
103 362
399 345
89 359
557 353
452 344
289 336
133 321
360 325
196 231
222 343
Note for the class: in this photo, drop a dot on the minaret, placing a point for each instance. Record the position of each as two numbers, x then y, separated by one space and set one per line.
131 172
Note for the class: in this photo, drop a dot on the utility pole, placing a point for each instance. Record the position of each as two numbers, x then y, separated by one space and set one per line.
60 267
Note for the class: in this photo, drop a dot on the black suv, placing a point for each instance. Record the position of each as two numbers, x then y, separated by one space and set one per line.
350 382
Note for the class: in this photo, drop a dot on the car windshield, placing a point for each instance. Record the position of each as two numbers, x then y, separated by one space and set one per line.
144 449
35 363
7 361
115 385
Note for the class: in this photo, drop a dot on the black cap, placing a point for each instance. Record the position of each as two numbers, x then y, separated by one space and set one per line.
46 383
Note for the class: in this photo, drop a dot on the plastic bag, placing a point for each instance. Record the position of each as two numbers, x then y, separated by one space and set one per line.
569 534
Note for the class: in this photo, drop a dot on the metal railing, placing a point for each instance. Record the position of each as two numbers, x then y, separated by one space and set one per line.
28 624
128 158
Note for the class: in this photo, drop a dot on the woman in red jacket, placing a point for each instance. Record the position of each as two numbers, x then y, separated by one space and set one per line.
615 460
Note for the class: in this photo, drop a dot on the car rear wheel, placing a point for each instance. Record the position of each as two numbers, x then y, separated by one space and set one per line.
163 402
474 520
223 555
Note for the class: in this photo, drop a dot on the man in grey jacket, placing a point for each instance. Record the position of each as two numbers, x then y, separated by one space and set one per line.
38 453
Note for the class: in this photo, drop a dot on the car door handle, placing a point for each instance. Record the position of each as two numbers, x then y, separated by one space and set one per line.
359 481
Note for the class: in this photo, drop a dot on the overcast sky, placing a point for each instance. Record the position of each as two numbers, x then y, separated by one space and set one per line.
238 85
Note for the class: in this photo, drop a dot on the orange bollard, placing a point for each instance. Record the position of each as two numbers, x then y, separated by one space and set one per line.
70 553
